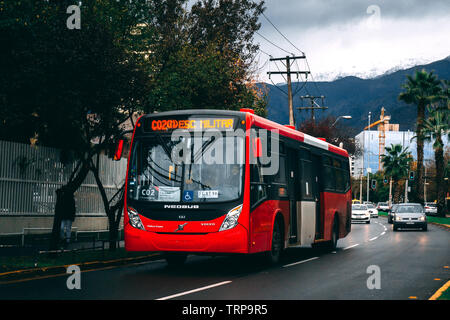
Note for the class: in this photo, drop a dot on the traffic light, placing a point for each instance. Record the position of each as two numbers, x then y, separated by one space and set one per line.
385 180
374 184
411 175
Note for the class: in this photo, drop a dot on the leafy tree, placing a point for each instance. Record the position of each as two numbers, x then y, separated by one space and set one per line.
434 127
74 89
421 90
396 164
332 134
208 63
71 89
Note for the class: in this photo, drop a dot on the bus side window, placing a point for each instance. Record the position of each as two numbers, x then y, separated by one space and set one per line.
258 189
340 182
346 167
280 177
329 176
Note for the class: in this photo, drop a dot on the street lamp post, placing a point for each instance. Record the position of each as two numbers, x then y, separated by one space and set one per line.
338 118
425 182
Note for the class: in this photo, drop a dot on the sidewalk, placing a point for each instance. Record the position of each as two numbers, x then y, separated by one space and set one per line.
42 245
35 261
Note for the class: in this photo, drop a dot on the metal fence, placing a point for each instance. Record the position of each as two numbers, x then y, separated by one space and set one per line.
29 177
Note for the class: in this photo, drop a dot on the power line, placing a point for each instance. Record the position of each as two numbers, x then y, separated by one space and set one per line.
282 33
306 59
273 43
312 77
269 55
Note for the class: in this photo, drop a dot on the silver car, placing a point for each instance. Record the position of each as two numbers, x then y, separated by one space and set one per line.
410 215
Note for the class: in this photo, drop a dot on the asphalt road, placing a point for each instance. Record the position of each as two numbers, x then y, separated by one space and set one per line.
412 265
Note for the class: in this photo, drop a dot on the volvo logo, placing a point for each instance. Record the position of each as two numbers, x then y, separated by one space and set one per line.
181 227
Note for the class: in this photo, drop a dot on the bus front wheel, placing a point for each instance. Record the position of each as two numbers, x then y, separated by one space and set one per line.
273 256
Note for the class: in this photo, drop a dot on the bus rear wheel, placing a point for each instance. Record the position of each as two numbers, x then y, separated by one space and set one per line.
331 245
273 256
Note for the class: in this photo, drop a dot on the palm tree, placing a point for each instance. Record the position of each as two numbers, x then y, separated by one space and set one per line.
396 164
422 90
433 129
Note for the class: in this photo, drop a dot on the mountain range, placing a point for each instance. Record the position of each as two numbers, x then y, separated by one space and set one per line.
354 96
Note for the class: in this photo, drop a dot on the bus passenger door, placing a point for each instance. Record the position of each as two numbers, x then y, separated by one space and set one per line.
317 183
293 176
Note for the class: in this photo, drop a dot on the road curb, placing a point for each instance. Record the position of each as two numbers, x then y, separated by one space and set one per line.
445 226
440 291
36 273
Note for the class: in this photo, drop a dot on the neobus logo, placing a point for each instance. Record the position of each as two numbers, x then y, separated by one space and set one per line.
181 206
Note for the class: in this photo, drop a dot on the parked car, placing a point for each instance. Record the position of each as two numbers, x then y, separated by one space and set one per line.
430 208
383 206
372 210
360 213
410 215
391 213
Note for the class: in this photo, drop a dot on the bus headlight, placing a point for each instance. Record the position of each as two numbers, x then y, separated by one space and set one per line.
135 221
231 220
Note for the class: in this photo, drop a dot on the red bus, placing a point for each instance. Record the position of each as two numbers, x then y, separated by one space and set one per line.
238 205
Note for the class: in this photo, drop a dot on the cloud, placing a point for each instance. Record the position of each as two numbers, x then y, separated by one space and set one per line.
305 14
342 38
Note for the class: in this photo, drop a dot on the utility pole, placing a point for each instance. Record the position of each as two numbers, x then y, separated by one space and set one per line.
369 170
390 192
361 186
406 188
425 186
288 73
314 105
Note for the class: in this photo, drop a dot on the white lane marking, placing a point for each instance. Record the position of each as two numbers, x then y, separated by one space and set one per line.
384 232
303 261
351 246
374 238
195 290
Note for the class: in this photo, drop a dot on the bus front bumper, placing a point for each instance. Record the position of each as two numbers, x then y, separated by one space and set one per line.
234 240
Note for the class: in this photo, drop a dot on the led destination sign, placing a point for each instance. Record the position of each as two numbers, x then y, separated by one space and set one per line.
191 124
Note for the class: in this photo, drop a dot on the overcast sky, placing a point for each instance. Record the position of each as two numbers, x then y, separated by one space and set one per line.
356 37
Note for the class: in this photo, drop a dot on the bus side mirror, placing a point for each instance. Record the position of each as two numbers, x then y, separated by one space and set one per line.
119 150
257 147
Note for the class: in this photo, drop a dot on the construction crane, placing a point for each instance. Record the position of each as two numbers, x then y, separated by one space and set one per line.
382 124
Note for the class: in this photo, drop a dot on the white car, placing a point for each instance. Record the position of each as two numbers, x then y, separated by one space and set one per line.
430 208
372 210
361 213
383 206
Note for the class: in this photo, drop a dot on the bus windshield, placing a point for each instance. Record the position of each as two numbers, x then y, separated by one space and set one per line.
207 173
